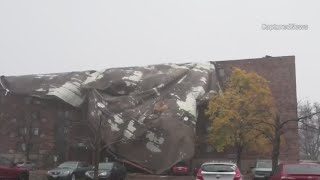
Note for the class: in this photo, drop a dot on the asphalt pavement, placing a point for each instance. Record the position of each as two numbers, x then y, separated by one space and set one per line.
152 177
41 175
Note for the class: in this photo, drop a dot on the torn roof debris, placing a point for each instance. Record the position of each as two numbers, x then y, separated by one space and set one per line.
152 115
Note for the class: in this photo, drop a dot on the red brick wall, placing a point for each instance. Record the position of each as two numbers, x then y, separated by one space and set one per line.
53 123
280 72
14 108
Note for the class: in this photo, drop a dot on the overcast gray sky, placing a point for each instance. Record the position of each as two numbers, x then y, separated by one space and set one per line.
41 36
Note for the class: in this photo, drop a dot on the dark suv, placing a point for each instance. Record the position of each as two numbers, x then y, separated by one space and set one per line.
9 170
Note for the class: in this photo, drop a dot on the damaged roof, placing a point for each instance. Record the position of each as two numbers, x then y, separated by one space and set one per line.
149 111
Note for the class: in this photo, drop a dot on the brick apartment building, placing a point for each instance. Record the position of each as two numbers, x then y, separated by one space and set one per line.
42 126
58 129
280 72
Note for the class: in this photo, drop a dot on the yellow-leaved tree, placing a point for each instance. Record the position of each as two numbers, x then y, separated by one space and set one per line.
241 114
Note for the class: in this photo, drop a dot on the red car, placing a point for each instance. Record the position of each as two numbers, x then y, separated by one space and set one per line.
180 168
8 170
296 171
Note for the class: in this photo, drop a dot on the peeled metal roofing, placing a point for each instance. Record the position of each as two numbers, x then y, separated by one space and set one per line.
150 112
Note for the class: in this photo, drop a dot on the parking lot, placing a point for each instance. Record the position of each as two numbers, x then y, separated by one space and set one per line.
41 175
152 177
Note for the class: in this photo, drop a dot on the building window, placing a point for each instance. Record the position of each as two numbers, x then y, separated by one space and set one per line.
31 146
209 149
65 130
12 135
23 147
221 72
35 131
43 120
36 101
66 114
60 114
35 115
13 120
23 131
27 100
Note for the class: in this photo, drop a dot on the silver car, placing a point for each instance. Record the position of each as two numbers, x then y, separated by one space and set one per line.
219 171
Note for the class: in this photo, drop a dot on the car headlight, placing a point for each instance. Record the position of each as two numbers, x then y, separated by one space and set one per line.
66 173
103 174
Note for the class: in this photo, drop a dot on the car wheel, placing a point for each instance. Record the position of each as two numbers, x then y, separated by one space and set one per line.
23 177
73 177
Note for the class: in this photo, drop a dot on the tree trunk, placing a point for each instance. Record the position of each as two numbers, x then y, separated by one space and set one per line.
276 144
27 155
239 154
97 148
96 159
275 152
27 151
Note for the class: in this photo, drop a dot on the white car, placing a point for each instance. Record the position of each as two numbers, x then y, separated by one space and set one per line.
219 171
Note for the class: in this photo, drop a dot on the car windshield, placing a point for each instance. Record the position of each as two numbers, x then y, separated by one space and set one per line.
105 166
264 164
310 169
219 168
5 162
69 165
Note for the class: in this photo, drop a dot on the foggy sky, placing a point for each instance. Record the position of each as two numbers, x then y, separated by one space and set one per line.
42 36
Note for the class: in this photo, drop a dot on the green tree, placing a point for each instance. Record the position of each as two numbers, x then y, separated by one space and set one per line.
241 114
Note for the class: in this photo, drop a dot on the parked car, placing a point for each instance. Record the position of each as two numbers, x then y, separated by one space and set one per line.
196 169
70 170
262 169
219 170
180 168
109 171
288 171
9 170
26 165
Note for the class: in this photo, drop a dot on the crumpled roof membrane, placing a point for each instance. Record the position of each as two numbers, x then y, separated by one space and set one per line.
148 113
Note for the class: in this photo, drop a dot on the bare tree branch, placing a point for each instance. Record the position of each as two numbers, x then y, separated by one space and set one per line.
298 119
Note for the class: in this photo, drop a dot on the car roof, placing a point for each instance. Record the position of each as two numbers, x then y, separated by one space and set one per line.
220 163
71 162
297 163
309 161
264 160
107 162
